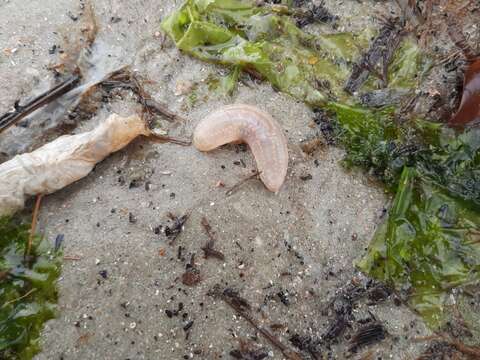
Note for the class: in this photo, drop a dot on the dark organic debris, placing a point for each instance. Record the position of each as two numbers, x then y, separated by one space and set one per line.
378 293
235 299
188 326
208 248
209 251
278 327
311 145
248 351
191 276
59 241
71 16
125 79
343 303
173 231
322 119
103 273
132 219
381 50
314 12
438 350
295 252
411 11
171 313
53 49
284 297
241 306
122 78
249 355
367 335
458 37
336 327
134 184
180 253
307 344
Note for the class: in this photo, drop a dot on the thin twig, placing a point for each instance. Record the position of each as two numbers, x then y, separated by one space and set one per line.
34 224
20 298
241 182
288 353
21 111
72 257
163 138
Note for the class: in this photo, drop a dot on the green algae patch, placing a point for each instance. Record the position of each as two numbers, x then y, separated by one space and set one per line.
311 68
28 292
240 34
428 248
430 242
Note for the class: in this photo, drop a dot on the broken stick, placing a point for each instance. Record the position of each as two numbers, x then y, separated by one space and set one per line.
21 111
34 224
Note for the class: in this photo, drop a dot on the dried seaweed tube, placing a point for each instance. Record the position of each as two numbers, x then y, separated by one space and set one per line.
469 109
245 123
63 161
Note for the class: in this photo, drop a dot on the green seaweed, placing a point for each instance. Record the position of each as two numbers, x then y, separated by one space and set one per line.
27 290
228 83
238 33
427 247
429 244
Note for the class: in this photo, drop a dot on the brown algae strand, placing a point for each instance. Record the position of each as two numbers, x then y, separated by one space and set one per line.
248 124
469 109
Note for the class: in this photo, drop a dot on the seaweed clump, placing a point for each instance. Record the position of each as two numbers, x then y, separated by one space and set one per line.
27 289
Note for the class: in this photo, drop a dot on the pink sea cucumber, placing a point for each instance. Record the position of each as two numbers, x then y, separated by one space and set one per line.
245 123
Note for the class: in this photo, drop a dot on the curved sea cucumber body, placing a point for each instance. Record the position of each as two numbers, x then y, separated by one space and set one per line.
246 123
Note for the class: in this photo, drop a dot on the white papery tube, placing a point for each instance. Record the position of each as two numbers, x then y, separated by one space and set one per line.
63 161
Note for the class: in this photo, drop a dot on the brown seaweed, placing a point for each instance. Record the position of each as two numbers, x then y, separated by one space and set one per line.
469 109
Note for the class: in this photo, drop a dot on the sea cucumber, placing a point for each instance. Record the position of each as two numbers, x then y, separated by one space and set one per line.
245 123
